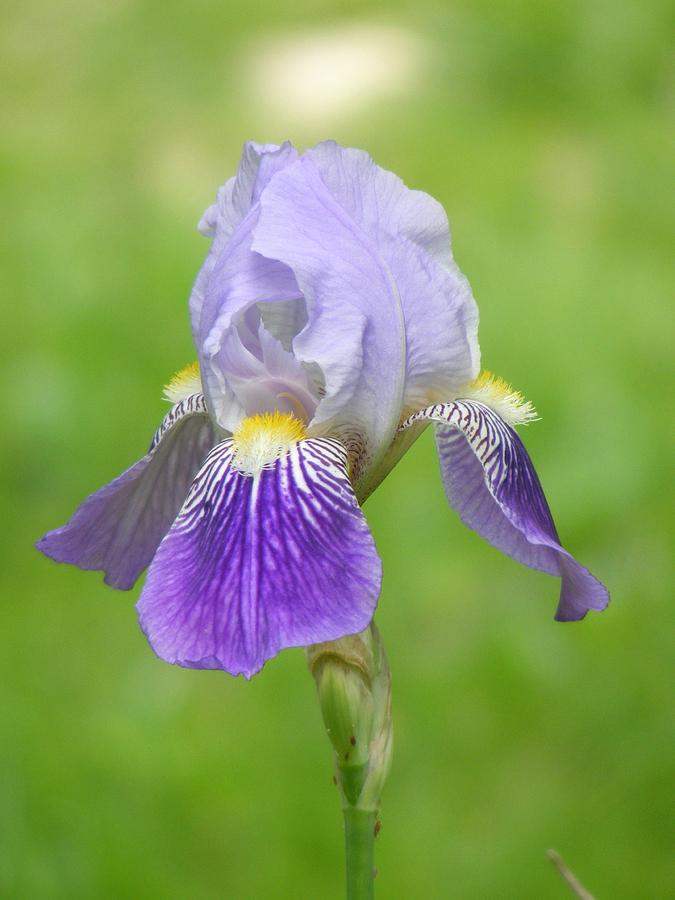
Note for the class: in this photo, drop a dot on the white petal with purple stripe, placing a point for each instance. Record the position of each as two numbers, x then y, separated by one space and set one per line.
491 482
258 562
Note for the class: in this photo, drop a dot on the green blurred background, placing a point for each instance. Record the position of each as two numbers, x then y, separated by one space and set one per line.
541 128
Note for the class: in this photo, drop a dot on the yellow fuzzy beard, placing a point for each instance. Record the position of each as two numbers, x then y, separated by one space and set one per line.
260 440
184 383
498 394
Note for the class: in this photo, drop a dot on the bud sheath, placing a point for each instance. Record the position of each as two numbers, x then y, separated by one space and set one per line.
354 689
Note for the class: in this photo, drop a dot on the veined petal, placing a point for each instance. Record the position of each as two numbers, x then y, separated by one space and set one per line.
381 200
355 330
118 528
412 235
491 482
259 163
257 563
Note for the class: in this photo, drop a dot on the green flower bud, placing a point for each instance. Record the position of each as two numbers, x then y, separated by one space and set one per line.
354 689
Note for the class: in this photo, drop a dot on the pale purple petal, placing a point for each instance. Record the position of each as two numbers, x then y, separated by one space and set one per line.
491 482
259 163
441 320
119 528
381 201
412 235
355 330
263 376
256 564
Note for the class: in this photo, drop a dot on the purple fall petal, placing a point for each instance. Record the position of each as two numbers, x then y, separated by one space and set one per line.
254 564
491 482
118 528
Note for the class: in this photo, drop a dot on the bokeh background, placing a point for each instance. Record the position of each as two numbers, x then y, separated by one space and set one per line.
542 129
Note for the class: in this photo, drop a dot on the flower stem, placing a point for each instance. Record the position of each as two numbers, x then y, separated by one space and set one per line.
354 689
359 839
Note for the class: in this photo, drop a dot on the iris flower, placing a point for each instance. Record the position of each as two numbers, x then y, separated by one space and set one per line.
332 325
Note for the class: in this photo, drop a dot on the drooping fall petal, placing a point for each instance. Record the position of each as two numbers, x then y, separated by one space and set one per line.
257 563
491 482
118 528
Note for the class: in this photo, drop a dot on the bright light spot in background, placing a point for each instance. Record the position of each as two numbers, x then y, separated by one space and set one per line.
298 85
317 76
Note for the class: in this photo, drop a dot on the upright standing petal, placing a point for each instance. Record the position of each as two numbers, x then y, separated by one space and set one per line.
381 201
259 163
355 330
233 278
491 482
412 235
258 562
118 528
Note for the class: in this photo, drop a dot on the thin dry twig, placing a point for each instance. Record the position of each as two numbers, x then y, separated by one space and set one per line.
569 877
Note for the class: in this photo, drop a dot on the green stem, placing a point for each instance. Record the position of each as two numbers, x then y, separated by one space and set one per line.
359 839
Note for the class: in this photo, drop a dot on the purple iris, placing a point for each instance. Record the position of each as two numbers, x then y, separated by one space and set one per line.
332 326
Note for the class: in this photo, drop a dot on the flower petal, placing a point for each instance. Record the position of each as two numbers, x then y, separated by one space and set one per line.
259 163
233 279
254 564
355 331
381 201
118 528
412 235
491 482
263 376
240 279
